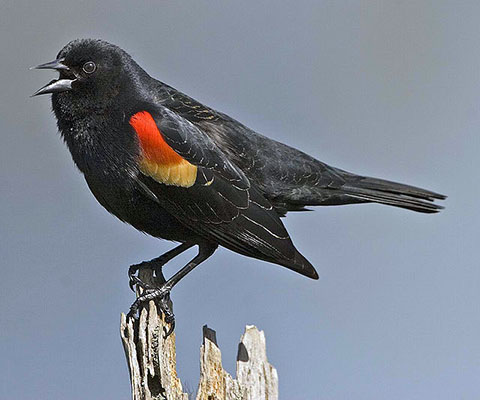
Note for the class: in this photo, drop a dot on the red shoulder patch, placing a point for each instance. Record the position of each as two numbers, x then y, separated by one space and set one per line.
154 147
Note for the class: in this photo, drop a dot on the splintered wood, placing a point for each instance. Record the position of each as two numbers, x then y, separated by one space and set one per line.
152 363
151 358
256 378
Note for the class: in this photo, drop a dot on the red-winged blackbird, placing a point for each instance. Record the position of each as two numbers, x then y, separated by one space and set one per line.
178 170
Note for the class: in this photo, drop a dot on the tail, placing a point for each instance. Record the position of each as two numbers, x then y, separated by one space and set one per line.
391 193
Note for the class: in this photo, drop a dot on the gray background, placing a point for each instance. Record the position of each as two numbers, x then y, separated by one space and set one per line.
387 88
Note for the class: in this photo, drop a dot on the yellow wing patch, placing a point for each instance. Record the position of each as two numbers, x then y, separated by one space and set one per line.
182 174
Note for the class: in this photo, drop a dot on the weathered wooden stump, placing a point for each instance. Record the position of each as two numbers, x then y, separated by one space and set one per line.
152 363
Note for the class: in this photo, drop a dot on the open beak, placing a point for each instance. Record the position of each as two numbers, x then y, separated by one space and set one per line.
58 85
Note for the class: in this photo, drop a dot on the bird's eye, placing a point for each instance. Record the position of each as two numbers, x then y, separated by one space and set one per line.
89 67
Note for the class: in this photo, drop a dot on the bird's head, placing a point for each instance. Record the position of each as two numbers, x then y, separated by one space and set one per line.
92 74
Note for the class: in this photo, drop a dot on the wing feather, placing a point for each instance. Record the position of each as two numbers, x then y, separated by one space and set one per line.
221 205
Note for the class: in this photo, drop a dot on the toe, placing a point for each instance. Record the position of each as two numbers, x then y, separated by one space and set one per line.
170 330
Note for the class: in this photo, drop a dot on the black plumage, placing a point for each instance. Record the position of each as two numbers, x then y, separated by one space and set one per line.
244 182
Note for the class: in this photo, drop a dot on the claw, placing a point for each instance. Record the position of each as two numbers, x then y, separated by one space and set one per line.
131 284
166 306
170 331
131 274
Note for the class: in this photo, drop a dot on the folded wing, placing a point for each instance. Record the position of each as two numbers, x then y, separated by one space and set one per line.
197 183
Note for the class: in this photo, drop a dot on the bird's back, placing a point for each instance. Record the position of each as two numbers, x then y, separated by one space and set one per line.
288 177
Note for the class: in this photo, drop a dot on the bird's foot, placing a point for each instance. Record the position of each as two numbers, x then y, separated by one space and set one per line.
145 265
136 281
161 296
132 278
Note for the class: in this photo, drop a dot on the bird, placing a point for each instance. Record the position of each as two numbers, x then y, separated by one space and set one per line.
181 171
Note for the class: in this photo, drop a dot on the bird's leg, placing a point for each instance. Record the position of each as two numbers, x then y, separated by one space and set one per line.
162 294
156 265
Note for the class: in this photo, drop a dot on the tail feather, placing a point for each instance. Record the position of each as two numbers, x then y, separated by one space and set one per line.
399 188
392 193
